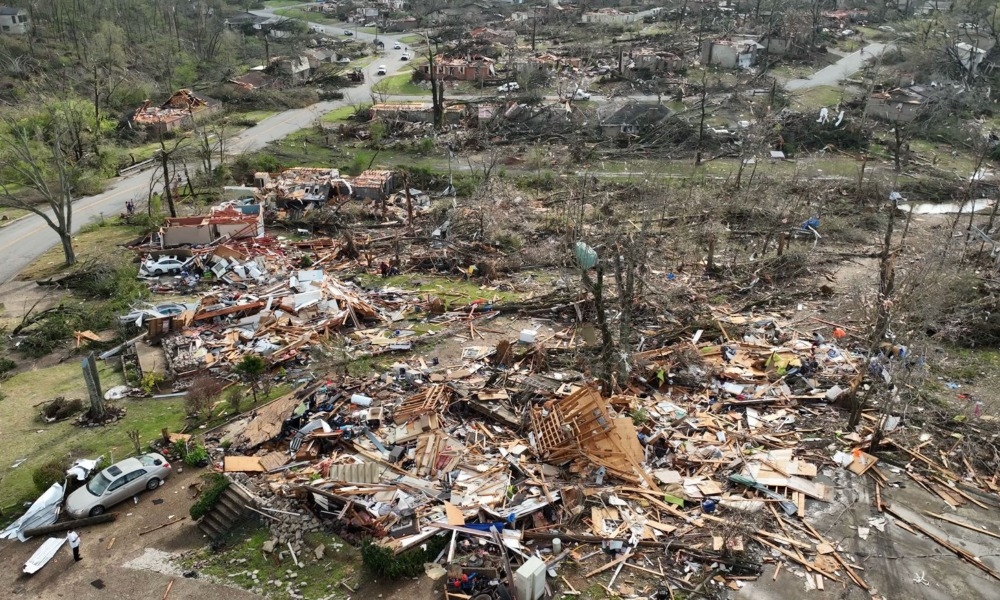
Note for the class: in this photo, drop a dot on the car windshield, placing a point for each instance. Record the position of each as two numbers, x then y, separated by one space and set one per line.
98 484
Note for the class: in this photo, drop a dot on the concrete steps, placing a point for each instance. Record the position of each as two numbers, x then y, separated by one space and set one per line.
228 512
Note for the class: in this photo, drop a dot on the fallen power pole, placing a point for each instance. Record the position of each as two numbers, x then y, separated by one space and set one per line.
67 525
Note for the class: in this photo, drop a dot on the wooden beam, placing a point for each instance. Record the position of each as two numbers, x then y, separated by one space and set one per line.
960 552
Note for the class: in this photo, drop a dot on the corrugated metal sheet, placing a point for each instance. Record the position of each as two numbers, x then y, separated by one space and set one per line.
356 473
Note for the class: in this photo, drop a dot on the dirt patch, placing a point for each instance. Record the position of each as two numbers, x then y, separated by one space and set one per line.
127 564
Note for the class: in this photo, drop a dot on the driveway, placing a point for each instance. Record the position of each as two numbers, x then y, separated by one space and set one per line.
107 549
838 71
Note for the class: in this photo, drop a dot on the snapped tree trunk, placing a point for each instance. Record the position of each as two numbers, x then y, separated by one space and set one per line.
596 287
69 254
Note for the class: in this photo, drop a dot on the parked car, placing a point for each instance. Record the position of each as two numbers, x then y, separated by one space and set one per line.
510 86
348 32
118 482
344 60
382 70
581 95
404 56
164 265
316 28
397 46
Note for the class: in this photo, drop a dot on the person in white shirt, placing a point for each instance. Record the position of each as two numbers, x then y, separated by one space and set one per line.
74 543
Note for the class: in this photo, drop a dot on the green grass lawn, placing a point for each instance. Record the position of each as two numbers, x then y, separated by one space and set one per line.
306 15
339 115
454 291
412 39
824 95
11 214
399 85
255 115
280 3
26 437
318 577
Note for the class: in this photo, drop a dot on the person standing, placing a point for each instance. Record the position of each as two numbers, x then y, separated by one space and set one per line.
74 543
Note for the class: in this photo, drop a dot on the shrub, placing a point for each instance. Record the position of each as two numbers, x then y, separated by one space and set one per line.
6 366
196 456
382 562
234 396
49 473
204 391
215 484
150 381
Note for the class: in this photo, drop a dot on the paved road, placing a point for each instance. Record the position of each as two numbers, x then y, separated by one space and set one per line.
26 239
838 71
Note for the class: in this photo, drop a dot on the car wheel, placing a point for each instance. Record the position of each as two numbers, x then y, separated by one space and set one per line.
97 510
158 272
152 484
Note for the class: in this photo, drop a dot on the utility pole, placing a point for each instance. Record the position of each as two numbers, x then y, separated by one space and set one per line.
534 25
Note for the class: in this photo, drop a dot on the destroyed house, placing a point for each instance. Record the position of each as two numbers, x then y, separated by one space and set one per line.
655 61
505 37
373 184
229 221
613 16
253 80
544 62
14 21
295 69
179 111
634 118
478 68
900 105
730 54
303 187
414 112
246 22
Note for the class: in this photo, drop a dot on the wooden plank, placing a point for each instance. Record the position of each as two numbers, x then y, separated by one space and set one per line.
455 516
960 552
962 524
862 463
242 464
609 565
812 489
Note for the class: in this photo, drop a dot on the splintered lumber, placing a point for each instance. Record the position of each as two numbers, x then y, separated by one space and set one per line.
580 425
430 400
960 552
67 525
801 561
962 524
828 548
607 566
166 592
152 529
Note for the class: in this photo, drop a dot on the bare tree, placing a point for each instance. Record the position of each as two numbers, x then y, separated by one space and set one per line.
40 165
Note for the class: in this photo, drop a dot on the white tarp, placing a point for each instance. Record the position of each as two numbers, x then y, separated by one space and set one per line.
43 512
43 555
82 468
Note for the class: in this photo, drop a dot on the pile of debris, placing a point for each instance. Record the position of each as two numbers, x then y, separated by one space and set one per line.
701 454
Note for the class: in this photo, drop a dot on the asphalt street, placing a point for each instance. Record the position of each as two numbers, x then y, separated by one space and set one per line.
26 239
